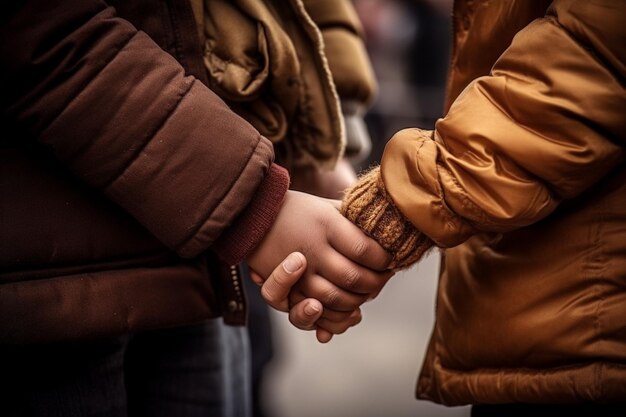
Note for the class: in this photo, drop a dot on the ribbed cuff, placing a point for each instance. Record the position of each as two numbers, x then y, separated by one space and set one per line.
236 242
368 205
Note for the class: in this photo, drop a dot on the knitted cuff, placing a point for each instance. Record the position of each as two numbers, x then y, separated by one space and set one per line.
368 205
235 243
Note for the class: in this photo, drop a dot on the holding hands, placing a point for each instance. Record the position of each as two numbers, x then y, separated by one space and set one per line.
327 267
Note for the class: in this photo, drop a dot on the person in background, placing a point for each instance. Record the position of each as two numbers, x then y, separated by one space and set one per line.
401 35
130 192
523 185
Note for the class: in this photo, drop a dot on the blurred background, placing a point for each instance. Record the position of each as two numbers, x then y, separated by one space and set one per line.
409 43
371 370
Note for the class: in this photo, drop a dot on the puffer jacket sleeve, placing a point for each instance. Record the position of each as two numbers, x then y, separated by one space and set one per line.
121 115
543 127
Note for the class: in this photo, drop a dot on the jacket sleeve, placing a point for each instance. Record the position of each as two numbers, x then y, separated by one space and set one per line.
544 126
121 115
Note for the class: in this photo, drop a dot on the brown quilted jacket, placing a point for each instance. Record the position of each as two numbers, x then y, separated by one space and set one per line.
123 177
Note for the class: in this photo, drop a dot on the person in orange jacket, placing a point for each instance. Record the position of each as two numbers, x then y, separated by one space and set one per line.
522 184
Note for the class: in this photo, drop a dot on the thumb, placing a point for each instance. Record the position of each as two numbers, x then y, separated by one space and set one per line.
276 288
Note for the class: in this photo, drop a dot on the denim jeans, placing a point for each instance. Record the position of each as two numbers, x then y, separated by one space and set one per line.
200 370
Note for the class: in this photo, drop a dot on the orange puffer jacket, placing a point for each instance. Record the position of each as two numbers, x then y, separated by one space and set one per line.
524 182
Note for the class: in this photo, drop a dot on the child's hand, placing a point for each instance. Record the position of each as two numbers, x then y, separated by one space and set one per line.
304 314
334 248
344 265
275 291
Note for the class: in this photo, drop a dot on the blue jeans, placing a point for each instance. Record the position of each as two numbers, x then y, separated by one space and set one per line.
201 370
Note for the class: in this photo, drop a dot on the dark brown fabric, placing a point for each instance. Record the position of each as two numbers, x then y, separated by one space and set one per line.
120 173
104 303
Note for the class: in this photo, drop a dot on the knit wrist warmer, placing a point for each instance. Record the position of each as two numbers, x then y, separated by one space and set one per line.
368 205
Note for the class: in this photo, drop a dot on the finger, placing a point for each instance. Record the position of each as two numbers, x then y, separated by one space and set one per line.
340 327
304 314
276 288
256 278
352 276
331 296
336 316
296 297
323 336
351 242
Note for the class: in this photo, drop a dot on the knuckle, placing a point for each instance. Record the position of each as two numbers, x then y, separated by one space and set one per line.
267 294
351 278
298 322
279 277
332 298
360 248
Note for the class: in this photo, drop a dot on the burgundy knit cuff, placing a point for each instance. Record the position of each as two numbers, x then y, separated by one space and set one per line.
249 228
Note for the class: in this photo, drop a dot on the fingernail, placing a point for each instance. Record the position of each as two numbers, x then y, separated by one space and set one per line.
311 309
292 264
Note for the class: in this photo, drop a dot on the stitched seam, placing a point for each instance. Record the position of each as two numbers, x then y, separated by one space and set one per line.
603 261
587 46
177 37
91 79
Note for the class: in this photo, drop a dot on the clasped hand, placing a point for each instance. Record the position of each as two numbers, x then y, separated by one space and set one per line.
327 267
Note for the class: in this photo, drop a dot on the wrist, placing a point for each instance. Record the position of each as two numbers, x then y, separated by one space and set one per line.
368 205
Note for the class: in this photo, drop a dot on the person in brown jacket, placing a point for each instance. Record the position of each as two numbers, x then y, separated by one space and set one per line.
295 70
129 193
523 184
